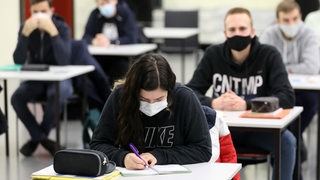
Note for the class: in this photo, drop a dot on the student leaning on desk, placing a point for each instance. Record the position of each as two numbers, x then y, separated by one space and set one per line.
44 38
163 119
240 69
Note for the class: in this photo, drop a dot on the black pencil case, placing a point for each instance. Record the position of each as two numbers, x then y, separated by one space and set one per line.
264 104
35 67
82 162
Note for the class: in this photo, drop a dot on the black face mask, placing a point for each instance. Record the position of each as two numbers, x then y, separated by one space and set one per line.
239 43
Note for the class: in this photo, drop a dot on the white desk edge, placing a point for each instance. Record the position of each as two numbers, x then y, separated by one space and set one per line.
233 120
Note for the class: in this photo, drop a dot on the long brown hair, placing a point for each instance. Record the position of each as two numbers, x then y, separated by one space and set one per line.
149 72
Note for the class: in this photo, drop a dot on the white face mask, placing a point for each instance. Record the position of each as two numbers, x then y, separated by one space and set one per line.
291 30
151 109
40 15
108 10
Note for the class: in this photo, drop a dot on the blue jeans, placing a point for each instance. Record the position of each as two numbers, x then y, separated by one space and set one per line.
39 90
265 141
309 102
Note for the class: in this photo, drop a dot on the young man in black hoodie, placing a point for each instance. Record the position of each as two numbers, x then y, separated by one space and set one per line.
44 38
240 69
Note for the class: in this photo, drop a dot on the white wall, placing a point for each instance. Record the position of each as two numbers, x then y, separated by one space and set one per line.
9 14
82 11
9 29
211 4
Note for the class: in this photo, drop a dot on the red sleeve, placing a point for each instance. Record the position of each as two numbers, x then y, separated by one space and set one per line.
227 152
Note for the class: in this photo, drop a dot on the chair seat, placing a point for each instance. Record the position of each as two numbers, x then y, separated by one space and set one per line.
248 156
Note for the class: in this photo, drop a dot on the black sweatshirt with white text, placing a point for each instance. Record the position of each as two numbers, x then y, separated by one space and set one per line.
261 74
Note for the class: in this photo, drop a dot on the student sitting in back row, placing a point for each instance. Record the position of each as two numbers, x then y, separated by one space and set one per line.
111 23
240 69
300 53
44 38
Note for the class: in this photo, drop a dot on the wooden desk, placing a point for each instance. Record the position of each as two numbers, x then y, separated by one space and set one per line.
173 33
309 83
276 126
122 50
55 74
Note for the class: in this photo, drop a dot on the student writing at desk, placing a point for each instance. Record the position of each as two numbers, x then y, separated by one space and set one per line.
163 119
240 69
44 38
111 23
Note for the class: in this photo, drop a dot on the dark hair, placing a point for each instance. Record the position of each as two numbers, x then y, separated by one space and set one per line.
238 10
287 6
149 72
32 2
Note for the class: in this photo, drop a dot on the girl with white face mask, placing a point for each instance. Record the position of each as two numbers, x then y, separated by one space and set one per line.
163 119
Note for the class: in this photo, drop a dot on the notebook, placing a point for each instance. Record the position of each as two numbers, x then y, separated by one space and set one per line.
277 114
155 170
10 67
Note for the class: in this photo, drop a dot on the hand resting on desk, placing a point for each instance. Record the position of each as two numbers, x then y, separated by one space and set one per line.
229 101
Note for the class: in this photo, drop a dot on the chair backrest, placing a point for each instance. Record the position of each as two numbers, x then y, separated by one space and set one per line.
181 18
210 116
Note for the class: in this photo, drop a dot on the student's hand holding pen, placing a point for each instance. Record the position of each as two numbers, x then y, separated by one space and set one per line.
131 161
149 158
136 160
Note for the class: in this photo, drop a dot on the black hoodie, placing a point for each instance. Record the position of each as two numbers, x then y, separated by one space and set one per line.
181 137
261 74
37 49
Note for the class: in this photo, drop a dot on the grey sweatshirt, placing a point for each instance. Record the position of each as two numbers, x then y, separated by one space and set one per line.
301 54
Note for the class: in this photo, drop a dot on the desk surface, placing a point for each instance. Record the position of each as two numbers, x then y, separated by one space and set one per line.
233 119
201 171
170 33
304 81
55 73
122 50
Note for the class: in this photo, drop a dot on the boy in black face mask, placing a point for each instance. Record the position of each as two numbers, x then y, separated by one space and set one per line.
240 69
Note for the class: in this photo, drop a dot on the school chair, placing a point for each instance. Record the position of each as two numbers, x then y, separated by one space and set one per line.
249 156
181 19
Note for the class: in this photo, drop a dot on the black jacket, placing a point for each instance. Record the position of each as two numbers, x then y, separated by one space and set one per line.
56 50
124 20
179 138
261 74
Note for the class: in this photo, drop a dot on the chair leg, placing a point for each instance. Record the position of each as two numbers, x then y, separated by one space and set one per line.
65 119
17 135
268 164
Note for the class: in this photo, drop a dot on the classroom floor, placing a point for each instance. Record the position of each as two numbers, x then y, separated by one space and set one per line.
18 167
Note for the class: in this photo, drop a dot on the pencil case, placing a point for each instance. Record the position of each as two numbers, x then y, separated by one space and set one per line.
264 104
35 67
82 162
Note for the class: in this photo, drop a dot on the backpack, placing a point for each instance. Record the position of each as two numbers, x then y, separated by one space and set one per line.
89 125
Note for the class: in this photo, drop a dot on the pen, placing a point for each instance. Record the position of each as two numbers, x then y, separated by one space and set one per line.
135 151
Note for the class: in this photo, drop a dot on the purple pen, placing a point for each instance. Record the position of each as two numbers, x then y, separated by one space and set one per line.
135 151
